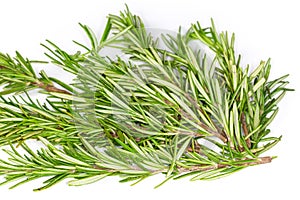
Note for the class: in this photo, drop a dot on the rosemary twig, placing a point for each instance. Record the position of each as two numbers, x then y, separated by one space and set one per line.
158 110
249 162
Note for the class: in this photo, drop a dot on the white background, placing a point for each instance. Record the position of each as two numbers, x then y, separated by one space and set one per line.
263 29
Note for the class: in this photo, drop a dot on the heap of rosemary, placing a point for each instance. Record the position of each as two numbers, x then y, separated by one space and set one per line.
161 107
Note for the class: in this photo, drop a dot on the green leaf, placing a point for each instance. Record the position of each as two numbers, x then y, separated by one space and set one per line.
257 70
52 181
183 147
237 125
258 84
199 87
68 97
91 35
256 116
88 180
106 31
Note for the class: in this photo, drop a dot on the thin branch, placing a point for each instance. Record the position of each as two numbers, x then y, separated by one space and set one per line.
261 160
50 88
195 147
245 130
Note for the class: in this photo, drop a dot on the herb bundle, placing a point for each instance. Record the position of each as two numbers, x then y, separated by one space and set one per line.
162 107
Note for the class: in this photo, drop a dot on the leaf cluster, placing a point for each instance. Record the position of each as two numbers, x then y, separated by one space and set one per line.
164 107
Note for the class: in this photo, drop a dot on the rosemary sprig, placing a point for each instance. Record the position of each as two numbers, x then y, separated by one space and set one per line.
158 110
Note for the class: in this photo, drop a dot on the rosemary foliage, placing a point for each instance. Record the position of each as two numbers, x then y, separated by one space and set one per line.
161 107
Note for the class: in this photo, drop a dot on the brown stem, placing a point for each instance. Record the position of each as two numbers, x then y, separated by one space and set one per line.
50 88
195 147
245 130
258 161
